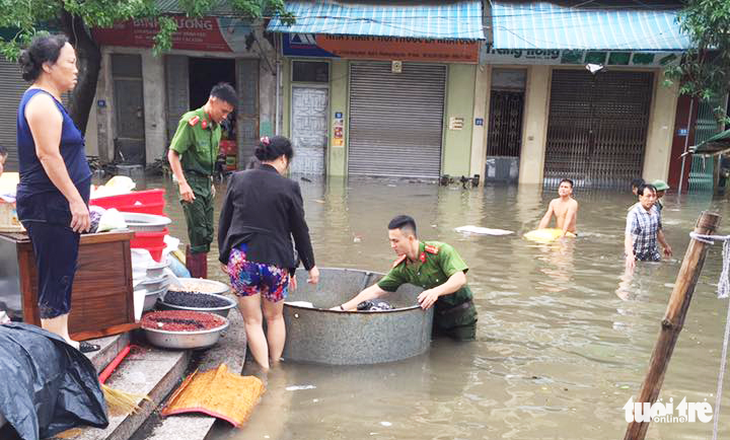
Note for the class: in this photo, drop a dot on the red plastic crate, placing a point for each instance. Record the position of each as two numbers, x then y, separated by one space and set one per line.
150 201
153 208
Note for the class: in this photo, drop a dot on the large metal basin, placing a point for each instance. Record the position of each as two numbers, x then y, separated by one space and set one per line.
320 335
185 340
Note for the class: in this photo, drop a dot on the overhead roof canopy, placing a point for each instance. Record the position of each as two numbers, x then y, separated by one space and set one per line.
543 25
456 20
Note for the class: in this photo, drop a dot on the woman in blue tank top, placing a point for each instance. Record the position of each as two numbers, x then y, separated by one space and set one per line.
55 179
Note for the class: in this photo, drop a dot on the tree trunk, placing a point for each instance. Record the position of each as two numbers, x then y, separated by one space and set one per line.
88 58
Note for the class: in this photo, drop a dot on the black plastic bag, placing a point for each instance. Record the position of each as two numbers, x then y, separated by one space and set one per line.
47 386
374 305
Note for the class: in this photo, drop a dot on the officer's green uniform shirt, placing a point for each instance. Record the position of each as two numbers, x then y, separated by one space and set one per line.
431 270
428 271
197 146
198 150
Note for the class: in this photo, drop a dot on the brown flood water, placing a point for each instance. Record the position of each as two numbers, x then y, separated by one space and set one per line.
558 353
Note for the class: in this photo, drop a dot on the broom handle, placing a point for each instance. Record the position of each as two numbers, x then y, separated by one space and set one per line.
114 364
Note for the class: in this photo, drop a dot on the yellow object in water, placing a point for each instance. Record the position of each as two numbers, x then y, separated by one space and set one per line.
546 235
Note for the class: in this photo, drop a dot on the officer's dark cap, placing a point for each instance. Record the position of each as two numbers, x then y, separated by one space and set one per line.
225 92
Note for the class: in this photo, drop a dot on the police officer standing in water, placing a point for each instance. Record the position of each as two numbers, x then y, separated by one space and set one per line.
192 156
436 267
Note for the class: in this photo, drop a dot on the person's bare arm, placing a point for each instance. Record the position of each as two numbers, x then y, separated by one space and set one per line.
185 191
546 218
663 241
629 250
570 217
46 124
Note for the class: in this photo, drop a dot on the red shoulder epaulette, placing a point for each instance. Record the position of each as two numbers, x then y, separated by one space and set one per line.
399 260
431 249
194 120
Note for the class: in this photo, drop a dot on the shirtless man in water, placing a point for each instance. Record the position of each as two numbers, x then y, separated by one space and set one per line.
565 209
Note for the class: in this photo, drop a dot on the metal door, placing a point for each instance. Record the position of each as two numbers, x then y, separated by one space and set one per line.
504 137
597 127
701 175
12 87
396 119
309 128
128 108
505 123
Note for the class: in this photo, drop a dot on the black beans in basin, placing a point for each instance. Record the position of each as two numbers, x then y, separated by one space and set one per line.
194 299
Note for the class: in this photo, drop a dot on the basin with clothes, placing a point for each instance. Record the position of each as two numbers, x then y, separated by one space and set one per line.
319 335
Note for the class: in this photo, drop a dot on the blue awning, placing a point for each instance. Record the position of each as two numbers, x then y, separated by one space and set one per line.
549 26
454 20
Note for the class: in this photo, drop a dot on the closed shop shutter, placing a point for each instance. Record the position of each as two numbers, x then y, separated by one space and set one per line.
396 120
12 88
178 92
597 127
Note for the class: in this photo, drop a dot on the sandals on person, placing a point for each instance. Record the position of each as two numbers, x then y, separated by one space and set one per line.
87 347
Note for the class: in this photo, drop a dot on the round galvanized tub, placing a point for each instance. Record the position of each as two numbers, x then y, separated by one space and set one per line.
323 336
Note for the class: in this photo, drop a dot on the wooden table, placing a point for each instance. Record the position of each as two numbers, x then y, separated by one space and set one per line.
102 301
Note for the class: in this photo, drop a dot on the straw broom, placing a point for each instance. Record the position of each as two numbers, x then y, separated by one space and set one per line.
119 402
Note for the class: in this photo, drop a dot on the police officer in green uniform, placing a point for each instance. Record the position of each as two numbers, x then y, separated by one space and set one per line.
192 156
436 267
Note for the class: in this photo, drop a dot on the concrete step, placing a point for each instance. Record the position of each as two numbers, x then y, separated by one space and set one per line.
230 350
110 347
147 371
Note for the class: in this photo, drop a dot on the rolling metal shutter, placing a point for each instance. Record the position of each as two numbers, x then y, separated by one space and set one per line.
12 88
396 120
177 90
597 127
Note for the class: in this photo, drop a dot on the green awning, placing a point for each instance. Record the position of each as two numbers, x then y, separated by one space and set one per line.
717 144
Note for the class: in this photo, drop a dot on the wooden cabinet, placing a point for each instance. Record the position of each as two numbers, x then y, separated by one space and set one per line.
102 298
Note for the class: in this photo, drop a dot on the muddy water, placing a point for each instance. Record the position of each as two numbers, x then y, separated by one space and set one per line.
558 352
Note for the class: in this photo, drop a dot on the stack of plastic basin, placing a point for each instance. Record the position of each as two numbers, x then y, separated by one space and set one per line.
152 241
151 201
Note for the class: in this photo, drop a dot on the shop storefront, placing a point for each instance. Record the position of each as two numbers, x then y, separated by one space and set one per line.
590 106
369 101
141 97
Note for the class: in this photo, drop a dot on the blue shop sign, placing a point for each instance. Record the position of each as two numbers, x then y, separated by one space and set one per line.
303 45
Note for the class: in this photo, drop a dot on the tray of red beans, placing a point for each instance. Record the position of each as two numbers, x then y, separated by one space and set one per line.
183 329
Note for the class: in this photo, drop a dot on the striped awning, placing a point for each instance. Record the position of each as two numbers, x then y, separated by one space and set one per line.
454 20
548 26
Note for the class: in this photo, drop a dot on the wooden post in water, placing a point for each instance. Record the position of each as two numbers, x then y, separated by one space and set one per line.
673 320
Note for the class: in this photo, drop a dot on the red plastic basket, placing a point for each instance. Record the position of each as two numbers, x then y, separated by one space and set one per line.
150 201
149 240
156 253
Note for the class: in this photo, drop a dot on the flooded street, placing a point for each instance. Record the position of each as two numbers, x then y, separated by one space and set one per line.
558 353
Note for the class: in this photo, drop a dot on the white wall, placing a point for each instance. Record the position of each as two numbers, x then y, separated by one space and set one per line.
534 135
481 110
661 127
